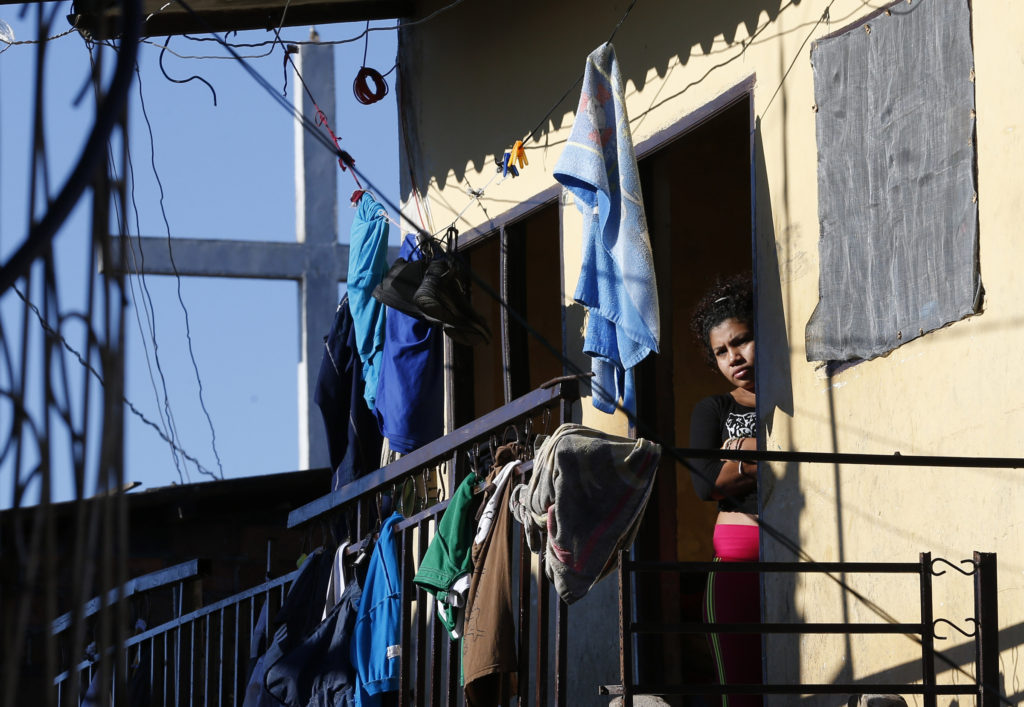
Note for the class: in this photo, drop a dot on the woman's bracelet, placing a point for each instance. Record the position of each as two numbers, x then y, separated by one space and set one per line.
745 474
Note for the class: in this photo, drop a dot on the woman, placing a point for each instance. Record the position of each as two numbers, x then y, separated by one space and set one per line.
723 323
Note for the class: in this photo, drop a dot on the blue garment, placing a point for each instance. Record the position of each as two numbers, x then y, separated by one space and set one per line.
353 436
376 639
410 391
367 264
616 282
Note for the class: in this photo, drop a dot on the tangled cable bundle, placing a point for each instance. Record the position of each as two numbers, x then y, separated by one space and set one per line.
361 86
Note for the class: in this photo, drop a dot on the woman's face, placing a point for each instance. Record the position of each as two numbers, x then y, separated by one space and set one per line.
732 343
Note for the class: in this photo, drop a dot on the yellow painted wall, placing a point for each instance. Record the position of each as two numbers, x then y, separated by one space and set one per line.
484 73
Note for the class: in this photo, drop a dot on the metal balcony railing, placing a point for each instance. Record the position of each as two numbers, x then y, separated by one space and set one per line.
985 686
204 657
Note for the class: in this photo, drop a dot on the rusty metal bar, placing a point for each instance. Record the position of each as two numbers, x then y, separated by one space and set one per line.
163 664
405 639
525 577
561 651
234 654
927 629
454 660
421 618
625 623
895 459
986 611
561 615
506 334
220 661
206 663
541 694
191 663
765 567
656 627
845 688
177 666
435 648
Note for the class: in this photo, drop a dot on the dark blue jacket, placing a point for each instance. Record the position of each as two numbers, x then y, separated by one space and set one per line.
318 671
353 437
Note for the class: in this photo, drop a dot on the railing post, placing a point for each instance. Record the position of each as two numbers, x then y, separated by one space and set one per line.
986 640
561 651
525 577
421 618
405 691
927 630
625 635
236 676
541 692
453 652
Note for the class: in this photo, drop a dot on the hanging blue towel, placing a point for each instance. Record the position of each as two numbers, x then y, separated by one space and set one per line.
616 282
367 264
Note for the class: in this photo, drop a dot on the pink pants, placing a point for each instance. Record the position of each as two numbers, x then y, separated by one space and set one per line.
735 598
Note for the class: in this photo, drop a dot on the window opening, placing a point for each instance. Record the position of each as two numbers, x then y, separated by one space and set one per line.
514 362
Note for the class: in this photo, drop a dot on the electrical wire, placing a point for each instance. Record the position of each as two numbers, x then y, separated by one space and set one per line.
99 377
308 124
16 43
181 300
168 428
194 77
137 264
530 135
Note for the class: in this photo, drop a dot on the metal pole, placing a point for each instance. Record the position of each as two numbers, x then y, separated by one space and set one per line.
927 630
986 641
625 634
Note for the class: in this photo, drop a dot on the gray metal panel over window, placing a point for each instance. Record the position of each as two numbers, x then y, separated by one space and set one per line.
896 180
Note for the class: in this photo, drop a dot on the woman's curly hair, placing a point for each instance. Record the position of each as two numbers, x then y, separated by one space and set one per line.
729 298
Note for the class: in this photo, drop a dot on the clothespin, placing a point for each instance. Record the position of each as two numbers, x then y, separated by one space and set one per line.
519 154
345 160
356 196
506 166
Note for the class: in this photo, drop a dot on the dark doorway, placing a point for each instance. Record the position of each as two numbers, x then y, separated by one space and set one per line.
697 195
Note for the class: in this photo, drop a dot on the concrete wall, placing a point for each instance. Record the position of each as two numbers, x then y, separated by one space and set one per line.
483 74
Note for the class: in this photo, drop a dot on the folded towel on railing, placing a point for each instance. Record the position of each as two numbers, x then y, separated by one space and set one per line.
584 503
